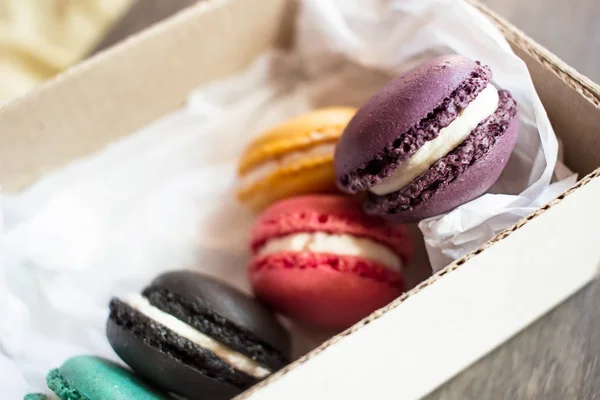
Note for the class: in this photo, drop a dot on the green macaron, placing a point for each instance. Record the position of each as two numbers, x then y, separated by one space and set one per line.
94 378
36 396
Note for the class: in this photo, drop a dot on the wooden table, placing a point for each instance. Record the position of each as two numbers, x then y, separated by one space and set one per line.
568 28
558 357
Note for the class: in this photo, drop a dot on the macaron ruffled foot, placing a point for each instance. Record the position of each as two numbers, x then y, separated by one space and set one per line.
38 396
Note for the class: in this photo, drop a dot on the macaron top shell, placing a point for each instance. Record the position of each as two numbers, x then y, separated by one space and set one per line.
94 378
226 303
329 214
390 126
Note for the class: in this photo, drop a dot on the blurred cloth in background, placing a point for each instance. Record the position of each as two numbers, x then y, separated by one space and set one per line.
40 38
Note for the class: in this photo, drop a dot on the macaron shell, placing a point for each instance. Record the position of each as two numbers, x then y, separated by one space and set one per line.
228 303
472 183
299 133
401 104
329 291
164 370
95 378
312 175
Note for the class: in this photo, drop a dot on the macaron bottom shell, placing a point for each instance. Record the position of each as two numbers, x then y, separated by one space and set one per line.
164 370
329 291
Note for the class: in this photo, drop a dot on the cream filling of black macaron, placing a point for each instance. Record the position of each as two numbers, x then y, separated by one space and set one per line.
167 341
217 327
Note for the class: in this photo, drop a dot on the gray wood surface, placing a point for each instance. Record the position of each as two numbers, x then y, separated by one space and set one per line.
142 14
558 357
568 28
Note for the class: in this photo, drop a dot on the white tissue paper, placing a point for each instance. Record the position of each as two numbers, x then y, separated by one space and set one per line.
164 197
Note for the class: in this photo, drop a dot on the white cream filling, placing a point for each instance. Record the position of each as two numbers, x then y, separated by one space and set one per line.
266 169
236 360
484 105
341 244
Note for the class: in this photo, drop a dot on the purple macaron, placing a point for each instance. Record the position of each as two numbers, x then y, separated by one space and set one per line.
430 140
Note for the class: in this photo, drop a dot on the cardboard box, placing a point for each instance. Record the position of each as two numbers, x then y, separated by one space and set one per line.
423 338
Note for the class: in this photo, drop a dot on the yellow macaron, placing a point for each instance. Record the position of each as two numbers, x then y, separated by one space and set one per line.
293 158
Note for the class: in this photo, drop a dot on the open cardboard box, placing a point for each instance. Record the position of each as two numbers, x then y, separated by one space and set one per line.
423 338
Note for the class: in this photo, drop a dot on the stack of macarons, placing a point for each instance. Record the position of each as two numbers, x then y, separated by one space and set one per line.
293 158
430 140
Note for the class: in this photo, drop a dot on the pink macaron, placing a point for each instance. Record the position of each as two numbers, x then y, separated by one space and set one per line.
322 261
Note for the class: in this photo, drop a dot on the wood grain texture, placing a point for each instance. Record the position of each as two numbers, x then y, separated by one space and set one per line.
568 28
556 358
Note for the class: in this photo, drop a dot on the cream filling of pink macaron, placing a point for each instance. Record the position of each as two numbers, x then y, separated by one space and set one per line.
237 360
340 244
264 170
450 137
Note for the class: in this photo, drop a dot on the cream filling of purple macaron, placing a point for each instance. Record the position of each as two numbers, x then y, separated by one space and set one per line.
339 244
450 137
237 360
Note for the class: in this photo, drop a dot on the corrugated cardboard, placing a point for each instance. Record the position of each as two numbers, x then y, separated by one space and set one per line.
420 340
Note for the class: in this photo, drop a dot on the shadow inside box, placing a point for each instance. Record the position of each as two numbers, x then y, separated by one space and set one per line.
418 269
349 84
223 264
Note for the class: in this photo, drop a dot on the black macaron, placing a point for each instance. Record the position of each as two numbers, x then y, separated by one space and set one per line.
196 336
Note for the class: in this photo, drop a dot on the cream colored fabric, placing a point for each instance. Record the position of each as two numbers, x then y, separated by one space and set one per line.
39 38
